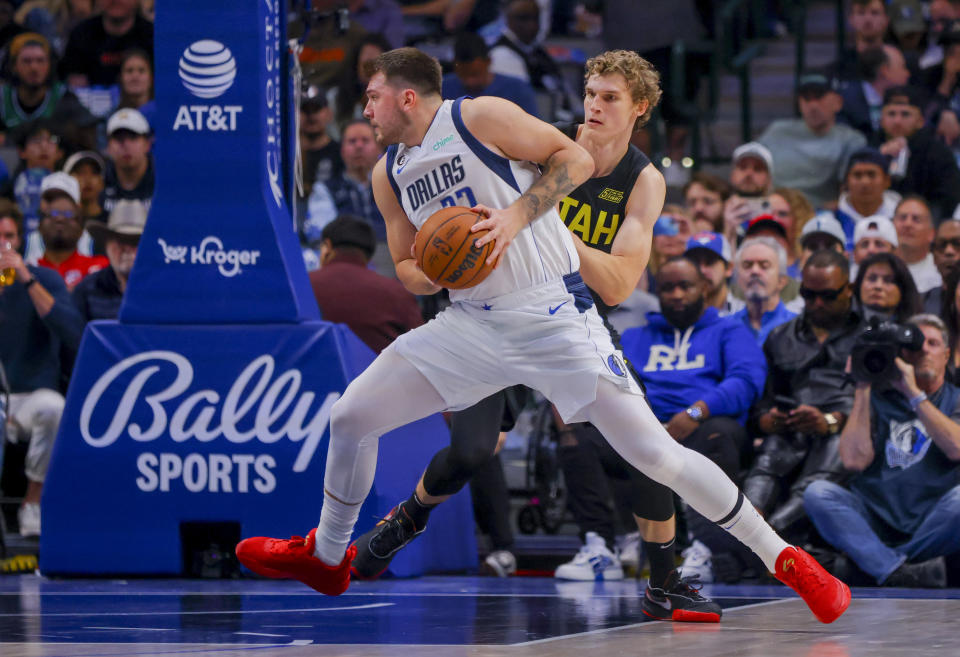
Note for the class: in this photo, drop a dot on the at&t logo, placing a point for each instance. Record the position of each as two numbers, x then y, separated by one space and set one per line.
207 70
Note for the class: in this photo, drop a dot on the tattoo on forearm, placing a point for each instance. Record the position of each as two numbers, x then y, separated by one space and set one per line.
553 185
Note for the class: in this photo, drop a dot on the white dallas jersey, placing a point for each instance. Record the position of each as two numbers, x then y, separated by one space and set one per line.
452 167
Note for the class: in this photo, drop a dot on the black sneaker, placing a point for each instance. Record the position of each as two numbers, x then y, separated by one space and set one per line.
931 574
680 600
376 548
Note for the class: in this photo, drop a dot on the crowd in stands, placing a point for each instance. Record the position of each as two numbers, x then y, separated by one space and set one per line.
760 283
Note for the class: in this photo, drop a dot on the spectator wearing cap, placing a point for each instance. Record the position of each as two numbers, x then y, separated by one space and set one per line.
915 233
880 68
61 227
760 270
823 232
711 253
130 173
320 153
777 229
88 168
946 256
908 27
99 295
472 76
751 180
704 196
96 45
874 234
920 163
387 311
33 92
38 144
867 191
670 234
810 153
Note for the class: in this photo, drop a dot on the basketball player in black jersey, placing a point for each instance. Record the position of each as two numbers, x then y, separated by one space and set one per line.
612 214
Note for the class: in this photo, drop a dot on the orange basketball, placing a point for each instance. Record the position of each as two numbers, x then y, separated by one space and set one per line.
446 252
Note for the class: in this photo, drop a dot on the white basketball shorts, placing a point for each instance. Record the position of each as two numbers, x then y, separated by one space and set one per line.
549 338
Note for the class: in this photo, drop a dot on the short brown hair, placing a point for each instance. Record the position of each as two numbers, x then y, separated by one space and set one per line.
710 182
411 68
10 209
642 78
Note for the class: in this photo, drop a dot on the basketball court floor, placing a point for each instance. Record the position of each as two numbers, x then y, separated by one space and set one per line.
449 617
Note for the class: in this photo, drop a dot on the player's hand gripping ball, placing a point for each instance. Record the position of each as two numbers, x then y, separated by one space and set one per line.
446 251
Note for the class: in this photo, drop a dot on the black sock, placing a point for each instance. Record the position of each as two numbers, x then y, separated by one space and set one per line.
418 511
662 557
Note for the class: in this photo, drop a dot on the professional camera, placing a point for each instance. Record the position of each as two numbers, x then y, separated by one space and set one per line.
876 349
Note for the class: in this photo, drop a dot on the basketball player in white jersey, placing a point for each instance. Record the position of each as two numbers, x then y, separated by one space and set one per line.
531 322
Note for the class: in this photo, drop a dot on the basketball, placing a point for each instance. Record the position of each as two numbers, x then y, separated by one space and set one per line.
446 252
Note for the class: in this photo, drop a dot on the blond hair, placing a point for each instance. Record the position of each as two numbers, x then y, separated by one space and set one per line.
642 78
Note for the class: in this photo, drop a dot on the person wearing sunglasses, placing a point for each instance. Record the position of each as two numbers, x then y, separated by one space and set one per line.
946 257
807 397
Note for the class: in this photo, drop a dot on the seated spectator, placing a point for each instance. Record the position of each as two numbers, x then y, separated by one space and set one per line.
704 196
915 233
884 289
380 17
136 84
327 39
320 152
761 273
388 309
823 232
99 295
946 256
921 163
710 252
671 232
775 228
88 168
900 513
810 153
54 19
942 79
34 93
874 234
130 173
869 21
909 29
61 227
751 180
39 149
879 69
519 53
349 96
792 210
472 76
807 397
942 15
96 45
37 320
867 183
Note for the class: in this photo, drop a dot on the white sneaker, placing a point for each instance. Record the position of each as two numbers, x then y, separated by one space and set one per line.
697 560
628 549
594 562
29 517
501 563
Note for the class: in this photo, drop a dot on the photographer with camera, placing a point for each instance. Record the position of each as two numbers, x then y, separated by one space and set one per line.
807 397
901 513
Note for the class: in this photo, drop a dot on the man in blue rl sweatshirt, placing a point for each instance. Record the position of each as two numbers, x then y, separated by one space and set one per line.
702 371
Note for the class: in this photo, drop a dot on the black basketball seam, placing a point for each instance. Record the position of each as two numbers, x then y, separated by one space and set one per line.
459 248
487 248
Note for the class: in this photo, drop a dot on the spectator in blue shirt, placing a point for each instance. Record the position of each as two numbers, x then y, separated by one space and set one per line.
472 76
760 269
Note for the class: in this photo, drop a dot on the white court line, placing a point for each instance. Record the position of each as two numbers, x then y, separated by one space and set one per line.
197 613
138 629
607 630
261 634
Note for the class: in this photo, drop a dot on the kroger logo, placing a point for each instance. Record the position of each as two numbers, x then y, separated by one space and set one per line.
207 68
210 252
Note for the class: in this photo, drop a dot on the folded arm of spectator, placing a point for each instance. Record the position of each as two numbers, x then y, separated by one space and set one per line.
745 370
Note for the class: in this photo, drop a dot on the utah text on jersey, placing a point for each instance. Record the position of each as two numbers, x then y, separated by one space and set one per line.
582 223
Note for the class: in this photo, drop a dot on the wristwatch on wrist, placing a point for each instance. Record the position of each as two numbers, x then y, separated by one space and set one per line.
833 423
695 413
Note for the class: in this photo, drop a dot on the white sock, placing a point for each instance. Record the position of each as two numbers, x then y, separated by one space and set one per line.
336 526
753 531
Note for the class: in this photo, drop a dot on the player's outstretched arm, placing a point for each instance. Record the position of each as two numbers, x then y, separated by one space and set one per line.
614 275
400 234
506 129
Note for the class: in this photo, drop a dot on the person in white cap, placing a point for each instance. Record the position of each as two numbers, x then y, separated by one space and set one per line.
130 173
89 168
752 181
874 234
61 227
99 295
824 231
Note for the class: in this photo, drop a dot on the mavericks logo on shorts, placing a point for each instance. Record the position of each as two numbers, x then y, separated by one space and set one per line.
616 365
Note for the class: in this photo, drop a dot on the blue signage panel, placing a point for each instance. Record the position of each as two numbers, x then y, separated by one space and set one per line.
173 424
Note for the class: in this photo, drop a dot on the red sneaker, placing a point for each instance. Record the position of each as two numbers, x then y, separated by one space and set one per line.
826 595
293 558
